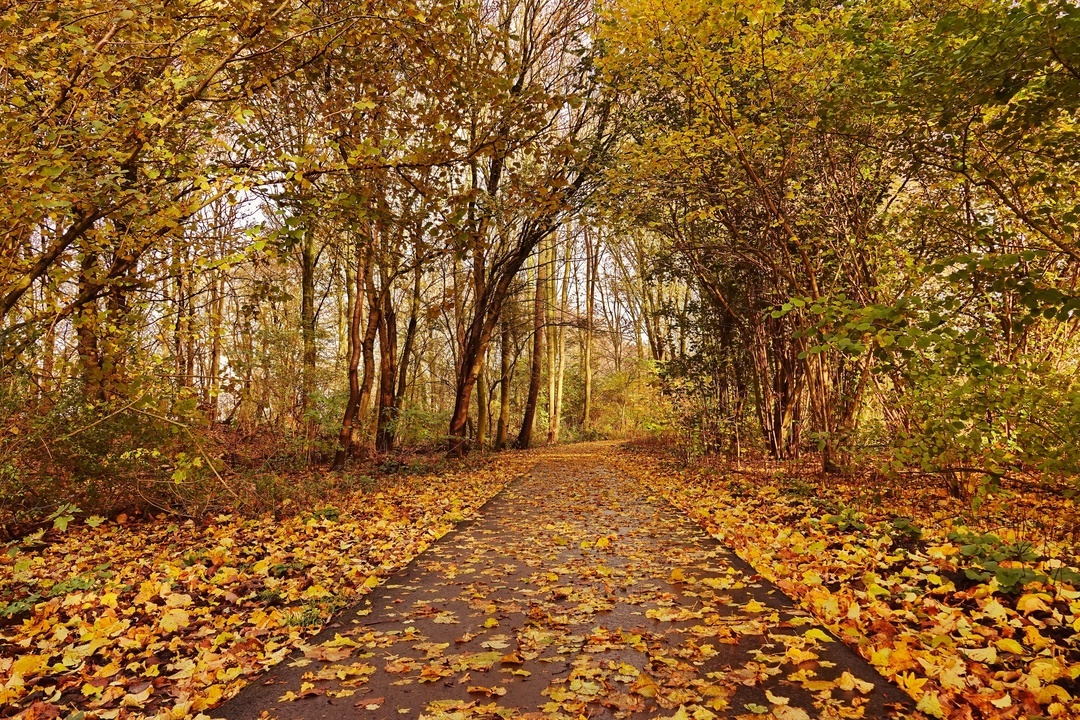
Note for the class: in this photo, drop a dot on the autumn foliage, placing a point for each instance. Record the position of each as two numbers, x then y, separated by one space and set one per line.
265 264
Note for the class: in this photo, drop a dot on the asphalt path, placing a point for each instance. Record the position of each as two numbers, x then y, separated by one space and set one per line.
573 594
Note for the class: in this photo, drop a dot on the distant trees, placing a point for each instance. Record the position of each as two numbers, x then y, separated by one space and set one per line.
302 226
240 239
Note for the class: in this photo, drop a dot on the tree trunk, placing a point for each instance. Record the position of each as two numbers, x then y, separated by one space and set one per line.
387 419
551 331
189 329
368 352
504 389
48 359
217 299
356 295
481 408
524 438
307 320
561 330
86 331
478 335
410 341
591 267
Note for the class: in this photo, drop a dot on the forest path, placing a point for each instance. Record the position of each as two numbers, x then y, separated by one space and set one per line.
573 593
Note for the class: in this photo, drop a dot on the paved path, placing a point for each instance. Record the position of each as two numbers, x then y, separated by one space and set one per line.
573 594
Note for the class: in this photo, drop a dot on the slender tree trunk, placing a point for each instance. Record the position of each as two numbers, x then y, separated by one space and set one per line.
410 341
481 408
189 327
48 355
86 331
357 280
551 330
307 319
387 419
217 299
504 389
368 351
561 330
590 299
524 438
177 271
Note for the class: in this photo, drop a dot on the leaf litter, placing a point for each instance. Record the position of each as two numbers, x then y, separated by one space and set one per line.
966 634
579 593
167 619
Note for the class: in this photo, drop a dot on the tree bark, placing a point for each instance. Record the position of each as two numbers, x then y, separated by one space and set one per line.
524 438
551 331
387 419
591 267
356 295
561 330
410 341
307 319
213 387
504 389
86 331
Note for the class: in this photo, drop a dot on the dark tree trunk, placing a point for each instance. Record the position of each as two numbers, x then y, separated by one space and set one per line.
307 319
528 421
410 341
355 343
387 420
503 430
86 331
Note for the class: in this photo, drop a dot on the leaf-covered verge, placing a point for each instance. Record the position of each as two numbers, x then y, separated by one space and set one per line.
971 622
167 619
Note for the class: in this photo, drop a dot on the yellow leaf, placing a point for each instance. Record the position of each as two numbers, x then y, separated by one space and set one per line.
754 606
1047 669
1035 639
995 611
178 600
788 712
880 657
1033 602
931 705
983 655
108 671
818 634
911 684
1010 646
137 699
849 682
1052 693
316 591
28 665
174 619
777 699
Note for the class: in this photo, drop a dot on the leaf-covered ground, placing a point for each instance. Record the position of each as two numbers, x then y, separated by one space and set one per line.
576 593
970 623
165 617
